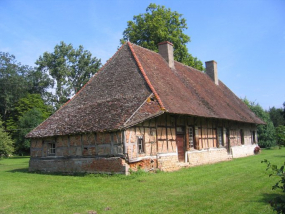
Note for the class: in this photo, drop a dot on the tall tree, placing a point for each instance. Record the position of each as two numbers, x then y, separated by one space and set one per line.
13 84
26 123
280 135
24 105
276 115
71 69
160 24
16 81
266 133
6 143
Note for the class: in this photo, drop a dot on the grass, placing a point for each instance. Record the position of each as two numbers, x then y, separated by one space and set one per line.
238 186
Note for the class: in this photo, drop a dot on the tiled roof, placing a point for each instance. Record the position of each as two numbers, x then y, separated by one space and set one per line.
121 94
185 90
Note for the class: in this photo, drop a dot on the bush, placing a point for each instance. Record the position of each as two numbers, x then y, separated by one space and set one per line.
278 203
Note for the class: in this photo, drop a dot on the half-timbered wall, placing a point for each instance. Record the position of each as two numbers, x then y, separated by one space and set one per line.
87 145
151 144
159 135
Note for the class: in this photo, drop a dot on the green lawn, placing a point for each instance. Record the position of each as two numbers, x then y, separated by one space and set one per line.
238 186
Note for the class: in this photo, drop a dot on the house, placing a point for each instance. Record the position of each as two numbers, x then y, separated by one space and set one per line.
145 110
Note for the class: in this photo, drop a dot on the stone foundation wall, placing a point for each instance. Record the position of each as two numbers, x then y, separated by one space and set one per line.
208 156
72 165
242 151
149 164
167 162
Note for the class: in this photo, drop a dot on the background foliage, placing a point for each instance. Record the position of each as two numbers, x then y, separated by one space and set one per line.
266 133
6 143
26 97
157 25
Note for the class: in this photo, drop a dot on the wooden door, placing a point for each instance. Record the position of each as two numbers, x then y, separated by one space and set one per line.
180 147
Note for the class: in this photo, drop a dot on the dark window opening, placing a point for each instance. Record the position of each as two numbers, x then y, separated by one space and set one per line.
220 137
179 130
241 136
51 149
253 137
140 145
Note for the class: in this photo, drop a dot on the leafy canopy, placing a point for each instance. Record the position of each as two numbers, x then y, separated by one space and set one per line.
160 24
29 112
266 133
16 81
276 115
6 143
70 68
280 135
27 122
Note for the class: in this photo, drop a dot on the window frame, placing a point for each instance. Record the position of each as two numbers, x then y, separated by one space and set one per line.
140 144
220 137
191 141
51 149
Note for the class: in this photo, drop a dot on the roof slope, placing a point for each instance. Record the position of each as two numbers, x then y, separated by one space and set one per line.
185 90
137 84
106 102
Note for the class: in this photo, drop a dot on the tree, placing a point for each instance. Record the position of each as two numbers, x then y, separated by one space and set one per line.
6 143
18 128
266 133
13 84
159 24
276 115
283 113
280 135
16 81
71 69
27 122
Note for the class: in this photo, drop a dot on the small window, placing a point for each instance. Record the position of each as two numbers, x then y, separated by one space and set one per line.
191 137
140 145
51 149
253 137
179 130
220 137
241 136
152 132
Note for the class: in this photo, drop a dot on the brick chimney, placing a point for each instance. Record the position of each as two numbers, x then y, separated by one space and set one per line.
212 71
165 49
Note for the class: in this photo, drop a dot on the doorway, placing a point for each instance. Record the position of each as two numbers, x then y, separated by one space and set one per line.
180 147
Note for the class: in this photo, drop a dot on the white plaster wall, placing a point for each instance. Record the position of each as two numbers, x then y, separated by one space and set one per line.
243 150
207 156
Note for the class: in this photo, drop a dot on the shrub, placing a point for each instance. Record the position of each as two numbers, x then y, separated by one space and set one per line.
278 203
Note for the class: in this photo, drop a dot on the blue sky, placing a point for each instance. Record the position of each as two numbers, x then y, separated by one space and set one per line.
246 38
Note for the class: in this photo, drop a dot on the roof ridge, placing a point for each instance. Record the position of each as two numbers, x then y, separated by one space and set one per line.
174 60
145 76
190 67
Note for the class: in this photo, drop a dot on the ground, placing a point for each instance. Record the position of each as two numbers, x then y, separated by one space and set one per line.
238 186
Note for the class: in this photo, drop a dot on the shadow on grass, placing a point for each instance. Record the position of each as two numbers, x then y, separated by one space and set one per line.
139 175
267 198
23 170
26 170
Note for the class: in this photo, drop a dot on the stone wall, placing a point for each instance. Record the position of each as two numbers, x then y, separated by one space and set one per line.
208 156
73 165
167 162
242 151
